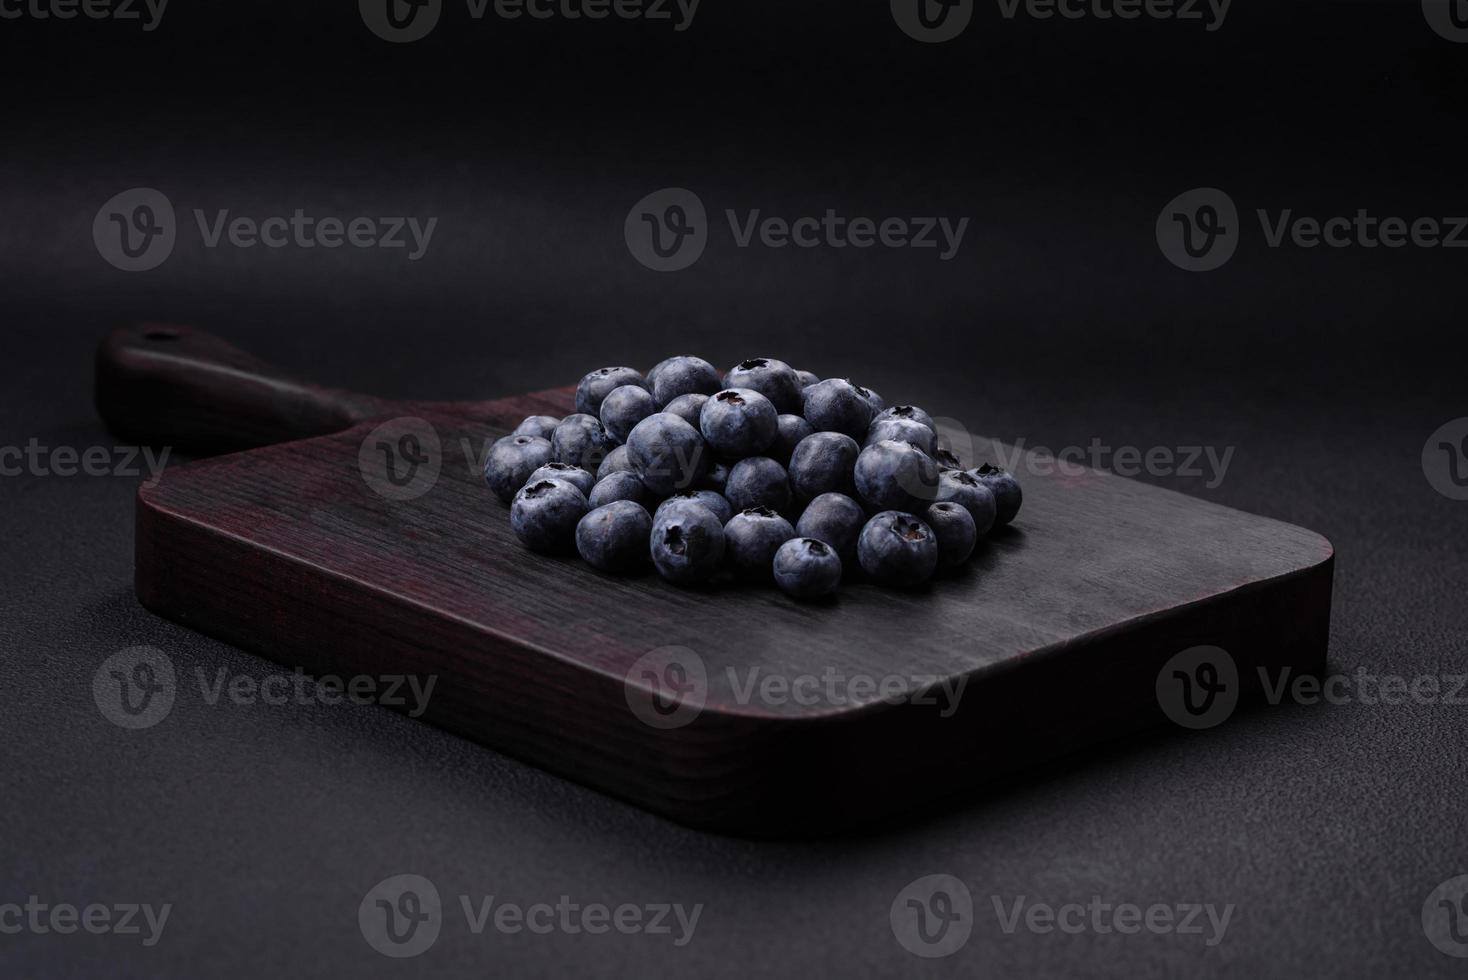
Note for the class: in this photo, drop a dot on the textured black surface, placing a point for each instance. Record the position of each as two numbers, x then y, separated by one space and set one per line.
1060 321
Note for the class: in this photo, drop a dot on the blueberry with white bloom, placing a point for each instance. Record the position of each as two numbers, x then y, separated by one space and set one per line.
713 502
540 426
774 379
687 545
687 407
667 453
684 376
835 405
621 485
510 462
616 462
793 429
594 387
1006 490
751 539
835 519
575 475
739 422
614 537
807 568
544 515
897 548
758 482
623 408
953 526
896 476
963 489
581 440
823 463
909 413
903 430
807 378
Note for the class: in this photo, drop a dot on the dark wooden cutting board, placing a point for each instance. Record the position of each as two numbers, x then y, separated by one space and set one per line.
1057 631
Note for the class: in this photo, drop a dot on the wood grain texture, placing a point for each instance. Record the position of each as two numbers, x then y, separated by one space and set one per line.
1058 628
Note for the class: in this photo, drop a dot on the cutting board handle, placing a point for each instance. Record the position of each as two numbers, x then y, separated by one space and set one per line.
175 386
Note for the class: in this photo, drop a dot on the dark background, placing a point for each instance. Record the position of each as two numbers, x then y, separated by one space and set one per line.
1059 321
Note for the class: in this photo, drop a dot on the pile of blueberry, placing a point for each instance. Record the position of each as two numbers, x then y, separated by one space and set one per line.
763 472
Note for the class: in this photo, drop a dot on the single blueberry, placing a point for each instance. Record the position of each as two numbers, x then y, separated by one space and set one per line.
616 462
620 485
614 537
896 476
953 526
684 376
574 475
898 549
739 422
540 426
602 382
873 399
751 539
793 428
687 407
510 462
909 412
582 441
687 545
903 430
544 515
807 568
963 489
623 408
667 453
707 499
823 463
835 519
834 405
657 369
774 379
806 379
758 482
1006 490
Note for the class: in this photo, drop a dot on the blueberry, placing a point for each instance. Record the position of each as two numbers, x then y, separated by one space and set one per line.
687 407
621 485
684 376
751 539
1006 490
909 413
898 549
873 399
573 475
835 519
614 537
953 526
667 453
807 568
712 502
687 544
758 482
896 476
616 462
540 426
544 515
903 430
510 462
774 379
823 463
581 441
946 459
739 422
834 405
807 379
793 428
961 488
657 369
623 408
602 382
716 479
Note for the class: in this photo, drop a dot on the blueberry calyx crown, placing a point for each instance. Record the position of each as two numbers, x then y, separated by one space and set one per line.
815 547
987 469
760 511
731 396
540 488
902 411
752 363
959 476
673 539
947 458
905 527
859 389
